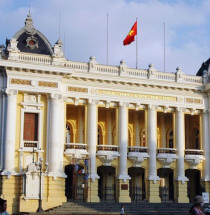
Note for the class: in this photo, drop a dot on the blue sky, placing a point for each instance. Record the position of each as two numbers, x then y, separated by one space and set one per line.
83 22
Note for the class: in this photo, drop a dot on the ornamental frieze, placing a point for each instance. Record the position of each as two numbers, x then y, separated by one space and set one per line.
134 95
47 84
195 101
78 89
20 81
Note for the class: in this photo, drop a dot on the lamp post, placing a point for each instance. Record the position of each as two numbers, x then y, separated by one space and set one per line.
39 168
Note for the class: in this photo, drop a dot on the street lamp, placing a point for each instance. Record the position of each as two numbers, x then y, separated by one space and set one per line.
39 168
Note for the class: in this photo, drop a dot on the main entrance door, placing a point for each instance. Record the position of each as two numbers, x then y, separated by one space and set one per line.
137 184
74 186
166 189
106 184
194 184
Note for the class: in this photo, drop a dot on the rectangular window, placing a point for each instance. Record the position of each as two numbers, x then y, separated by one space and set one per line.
30 127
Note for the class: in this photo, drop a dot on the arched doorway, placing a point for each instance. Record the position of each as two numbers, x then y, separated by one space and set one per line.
74 183
166 188
194 184
107 184
137 184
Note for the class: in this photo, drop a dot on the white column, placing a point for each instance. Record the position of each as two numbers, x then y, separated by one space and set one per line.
92 136
180 144
109 126
206 136
9 157
137 129
56 132
163 131
80 125
123 140
152 142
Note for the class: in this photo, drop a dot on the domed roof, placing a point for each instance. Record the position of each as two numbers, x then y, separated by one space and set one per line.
204 66
30 40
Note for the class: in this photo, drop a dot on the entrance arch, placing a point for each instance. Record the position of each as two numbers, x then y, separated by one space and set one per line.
194 184
166 188
137 184
107 183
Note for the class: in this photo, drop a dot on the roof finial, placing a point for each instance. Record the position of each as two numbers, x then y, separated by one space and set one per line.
29 7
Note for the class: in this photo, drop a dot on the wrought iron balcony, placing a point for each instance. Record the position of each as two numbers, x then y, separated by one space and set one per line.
107 153
137 155
76 150
193 157
166 156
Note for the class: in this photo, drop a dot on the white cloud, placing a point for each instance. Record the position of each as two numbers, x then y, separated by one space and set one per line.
84 24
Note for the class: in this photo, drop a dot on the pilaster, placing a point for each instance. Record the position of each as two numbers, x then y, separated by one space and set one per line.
123 191
93 191
9 157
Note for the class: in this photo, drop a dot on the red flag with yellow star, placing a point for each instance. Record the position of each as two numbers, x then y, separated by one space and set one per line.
131 35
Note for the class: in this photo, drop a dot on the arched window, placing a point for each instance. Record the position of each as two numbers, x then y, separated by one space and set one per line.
143 138
100 136
170 139
195 140
69 134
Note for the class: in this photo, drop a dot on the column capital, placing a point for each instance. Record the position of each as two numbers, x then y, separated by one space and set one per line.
180 109
152 107
123 104
205 111
165 109
93 101
55 96
11 92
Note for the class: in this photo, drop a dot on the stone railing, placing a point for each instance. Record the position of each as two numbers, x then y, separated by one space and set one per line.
121 70
107 148
193 152
166 151
76 146
137 149
40 59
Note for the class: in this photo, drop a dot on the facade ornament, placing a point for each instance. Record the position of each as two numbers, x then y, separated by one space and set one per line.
13 50
92 63
179 74
76 101
108 104
29 28
122 67
165 109
205 77
58 50
151 71
2 52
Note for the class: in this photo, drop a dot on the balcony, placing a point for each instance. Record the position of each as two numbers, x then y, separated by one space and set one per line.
137 155
166 156
107 153
76 150
194 157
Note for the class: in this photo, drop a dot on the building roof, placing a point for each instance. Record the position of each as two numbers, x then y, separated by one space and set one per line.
204 67
30 40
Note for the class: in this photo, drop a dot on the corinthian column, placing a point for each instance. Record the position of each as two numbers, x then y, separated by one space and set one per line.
56 131
123 140
9 157
206 148
180 144
92 136
152 142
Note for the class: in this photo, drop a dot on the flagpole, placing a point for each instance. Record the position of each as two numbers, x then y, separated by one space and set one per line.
164 48
137 45
107 39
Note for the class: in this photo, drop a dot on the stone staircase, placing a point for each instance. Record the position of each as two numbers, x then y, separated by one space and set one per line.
71 208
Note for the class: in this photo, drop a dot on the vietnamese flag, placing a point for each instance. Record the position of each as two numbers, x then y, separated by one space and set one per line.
131 35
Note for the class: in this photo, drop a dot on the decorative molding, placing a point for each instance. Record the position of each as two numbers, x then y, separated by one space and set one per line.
194 100
48 84
78 89
20 81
